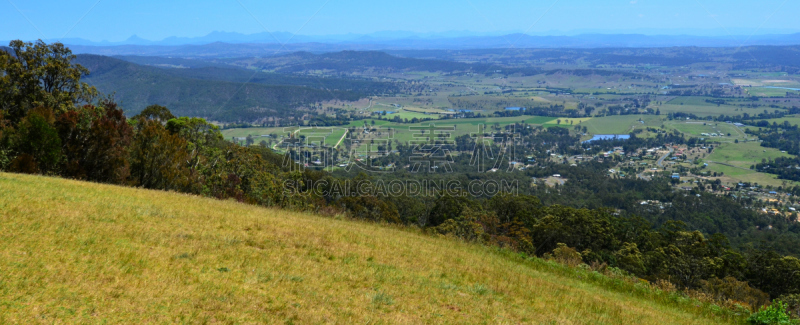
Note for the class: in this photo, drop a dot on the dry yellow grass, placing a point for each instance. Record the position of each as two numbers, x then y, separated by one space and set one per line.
75 252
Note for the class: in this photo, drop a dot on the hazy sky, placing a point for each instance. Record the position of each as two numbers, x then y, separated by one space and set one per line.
116 20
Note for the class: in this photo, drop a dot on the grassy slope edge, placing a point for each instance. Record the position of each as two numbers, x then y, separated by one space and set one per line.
82 252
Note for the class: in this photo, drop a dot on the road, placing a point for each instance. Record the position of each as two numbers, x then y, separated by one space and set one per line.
661 160
340 140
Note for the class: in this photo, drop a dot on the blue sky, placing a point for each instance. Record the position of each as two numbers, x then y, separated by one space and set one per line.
116 20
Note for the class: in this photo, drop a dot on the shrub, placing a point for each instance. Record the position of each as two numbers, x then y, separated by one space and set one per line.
773 314
734 291
566 255
792 303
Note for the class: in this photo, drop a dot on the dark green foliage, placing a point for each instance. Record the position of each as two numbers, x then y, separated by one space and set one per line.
446 207
38 74
95 143
775 314
158 158
792 304
370 208
155 112
37 144
773 273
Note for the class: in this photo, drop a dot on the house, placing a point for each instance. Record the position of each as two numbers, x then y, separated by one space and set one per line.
557 175
676 176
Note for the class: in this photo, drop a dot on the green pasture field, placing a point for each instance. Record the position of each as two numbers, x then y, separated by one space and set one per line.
793 120
331 135
698 106
620 124
743 154
735 175
691 101
402 132
403 114
769 92
708 109
243 132
567 120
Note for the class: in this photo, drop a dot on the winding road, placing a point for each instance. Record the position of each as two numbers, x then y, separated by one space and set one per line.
660 161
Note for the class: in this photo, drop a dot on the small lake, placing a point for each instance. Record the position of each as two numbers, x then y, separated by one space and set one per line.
598 137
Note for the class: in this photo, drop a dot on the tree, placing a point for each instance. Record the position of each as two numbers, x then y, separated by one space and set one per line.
38 74
155 112
36 143
95 143
158 158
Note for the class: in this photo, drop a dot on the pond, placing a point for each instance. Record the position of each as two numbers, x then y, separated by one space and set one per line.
598 137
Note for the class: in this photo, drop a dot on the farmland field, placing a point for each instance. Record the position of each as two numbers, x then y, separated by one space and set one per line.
742 155
793 120
256 131
770 92
620 124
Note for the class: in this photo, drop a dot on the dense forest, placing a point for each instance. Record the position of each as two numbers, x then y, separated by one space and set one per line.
53 123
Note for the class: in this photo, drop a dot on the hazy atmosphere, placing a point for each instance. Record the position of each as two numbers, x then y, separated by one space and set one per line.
116 21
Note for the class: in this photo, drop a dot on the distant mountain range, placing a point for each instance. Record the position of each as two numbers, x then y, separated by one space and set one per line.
266 43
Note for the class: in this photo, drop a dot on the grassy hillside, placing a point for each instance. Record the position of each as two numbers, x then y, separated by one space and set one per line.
75 252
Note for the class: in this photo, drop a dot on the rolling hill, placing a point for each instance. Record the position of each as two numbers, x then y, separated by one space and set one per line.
218 93
77 252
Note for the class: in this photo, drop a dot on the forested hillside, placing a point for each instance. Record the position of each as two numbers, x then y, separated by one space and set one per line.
219 94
